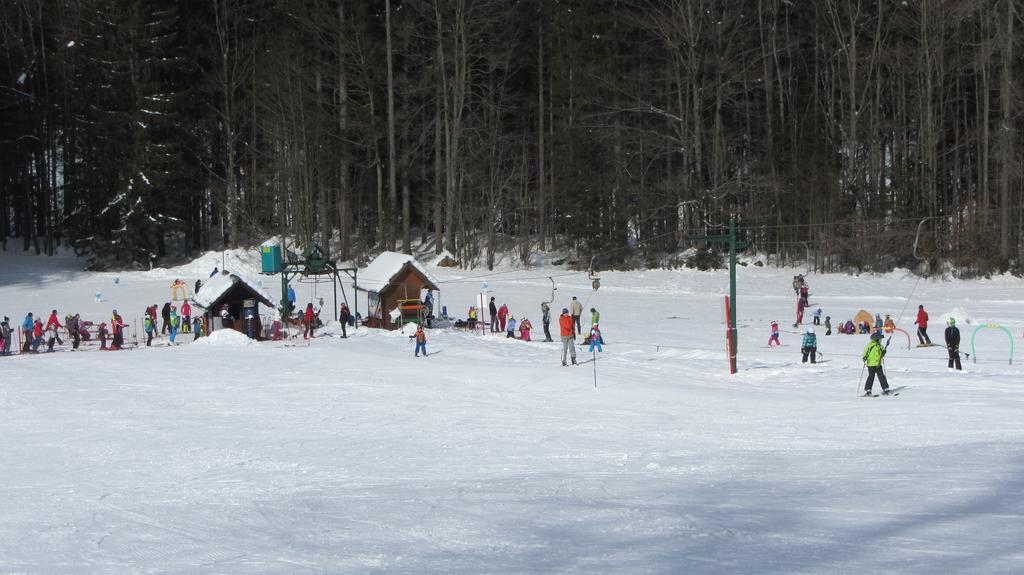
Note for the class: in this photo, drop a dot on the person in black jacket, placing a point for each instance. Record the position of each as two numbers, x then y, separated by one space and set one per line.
493 309
165 314
953 345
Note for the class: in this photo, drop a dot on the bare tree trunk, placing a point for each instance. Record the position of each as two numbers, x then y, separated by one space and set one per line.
541 200
344 186
1006 133
392 156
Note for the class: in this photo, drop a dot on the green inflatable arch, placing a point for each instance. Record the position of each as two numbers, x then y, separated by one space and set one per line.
993 325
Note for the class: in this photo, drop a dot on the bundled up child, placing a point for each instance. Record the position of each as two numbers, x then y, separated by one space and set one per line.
774 339
524 329
828 325
595 338
510 327
809 346
421 341
149 327
817 316
102 334
37 335
197 327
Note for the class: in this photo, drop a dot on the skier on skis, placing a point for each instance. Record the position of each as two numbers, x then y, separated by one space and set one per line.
774 339
809 346
37 335
492 308
175 324
524 329
421 341
567 331
873 355
800 305
953 345
186 317
545 310
117 326
149 327
922 326
5 333
576 309
595 339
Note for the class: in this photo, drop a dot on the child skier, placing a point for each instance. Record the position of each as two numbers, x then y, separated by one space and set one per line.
828 325
102 334
953 345
52 337
186 317
809 346
817 316
801 304
175 324
524 329
148 327
595 338
5 332
510 332
775 334
197 327
873 355
37 335
421 341
888 325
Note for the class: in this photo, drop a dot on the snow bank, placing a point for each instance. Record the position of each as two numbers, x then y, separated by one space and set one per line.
225 338
958 313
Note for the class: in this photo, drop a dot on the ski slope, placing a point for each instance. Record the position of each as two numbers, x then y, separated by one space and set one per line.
352 456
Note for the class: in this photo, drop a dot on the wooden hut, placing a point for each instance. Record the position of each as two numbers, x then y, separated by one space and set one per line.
393 283
237 292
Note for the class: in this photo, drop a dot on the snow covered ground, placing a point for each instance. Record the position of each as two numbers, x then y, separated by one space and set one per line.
352 456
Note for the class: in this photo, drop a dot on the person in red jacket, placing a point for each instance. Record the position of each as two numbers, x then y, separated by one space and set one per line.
37 335
922 326
307 320
567 329
54 322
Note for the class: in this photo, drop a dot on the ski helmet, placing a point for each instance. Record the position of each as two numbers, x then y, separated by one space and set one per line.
810 330
876 336
952 321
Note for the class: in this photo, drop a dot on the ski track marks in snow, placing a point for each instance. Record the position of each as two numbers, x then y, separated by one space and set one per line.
488 456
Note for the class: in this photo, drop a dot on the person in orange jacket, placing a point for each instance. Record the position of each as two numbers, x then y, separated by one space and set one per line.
567 329
421 341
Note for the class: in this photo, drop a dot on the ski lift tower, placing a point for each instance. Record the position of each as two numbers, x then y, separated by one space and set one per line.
313 263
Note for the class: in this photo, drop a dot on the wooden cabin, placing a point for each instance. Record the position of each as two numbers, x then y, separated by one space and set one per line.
237 292
393 283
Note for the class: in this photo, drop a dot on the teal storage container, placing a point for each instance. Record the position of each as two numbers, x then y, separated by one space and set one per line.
271 259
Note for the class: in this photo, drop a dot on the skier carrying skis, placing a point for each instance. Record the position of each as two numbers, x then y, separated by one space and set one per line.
953 345
809 346
567 331
421 341
873 355
774 339
922 326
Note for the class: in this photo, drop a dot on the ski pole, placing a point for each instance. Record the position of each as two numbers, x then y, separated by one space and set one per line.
595 368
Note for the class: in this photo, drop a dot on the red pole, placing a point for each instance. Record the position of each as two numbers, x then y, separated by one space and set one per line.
728 337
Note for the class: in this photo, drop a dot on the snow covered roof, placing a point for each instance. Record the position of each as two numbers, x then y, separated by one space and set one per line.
383 269
214 288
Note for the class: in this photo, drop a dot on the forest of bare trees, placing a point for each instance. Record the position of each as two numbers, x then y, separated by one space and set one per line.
138 130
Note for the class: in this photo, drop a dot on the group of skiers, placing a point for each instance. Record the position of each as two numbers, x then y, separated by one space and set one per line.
570 325
34 332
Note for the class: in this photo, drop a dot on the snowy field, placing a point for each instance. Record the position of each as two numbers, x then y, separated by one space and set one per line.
352 456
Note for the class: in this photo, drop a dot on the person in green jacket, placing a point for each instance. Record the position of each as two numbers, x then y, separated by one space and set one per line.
873 355
595 317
